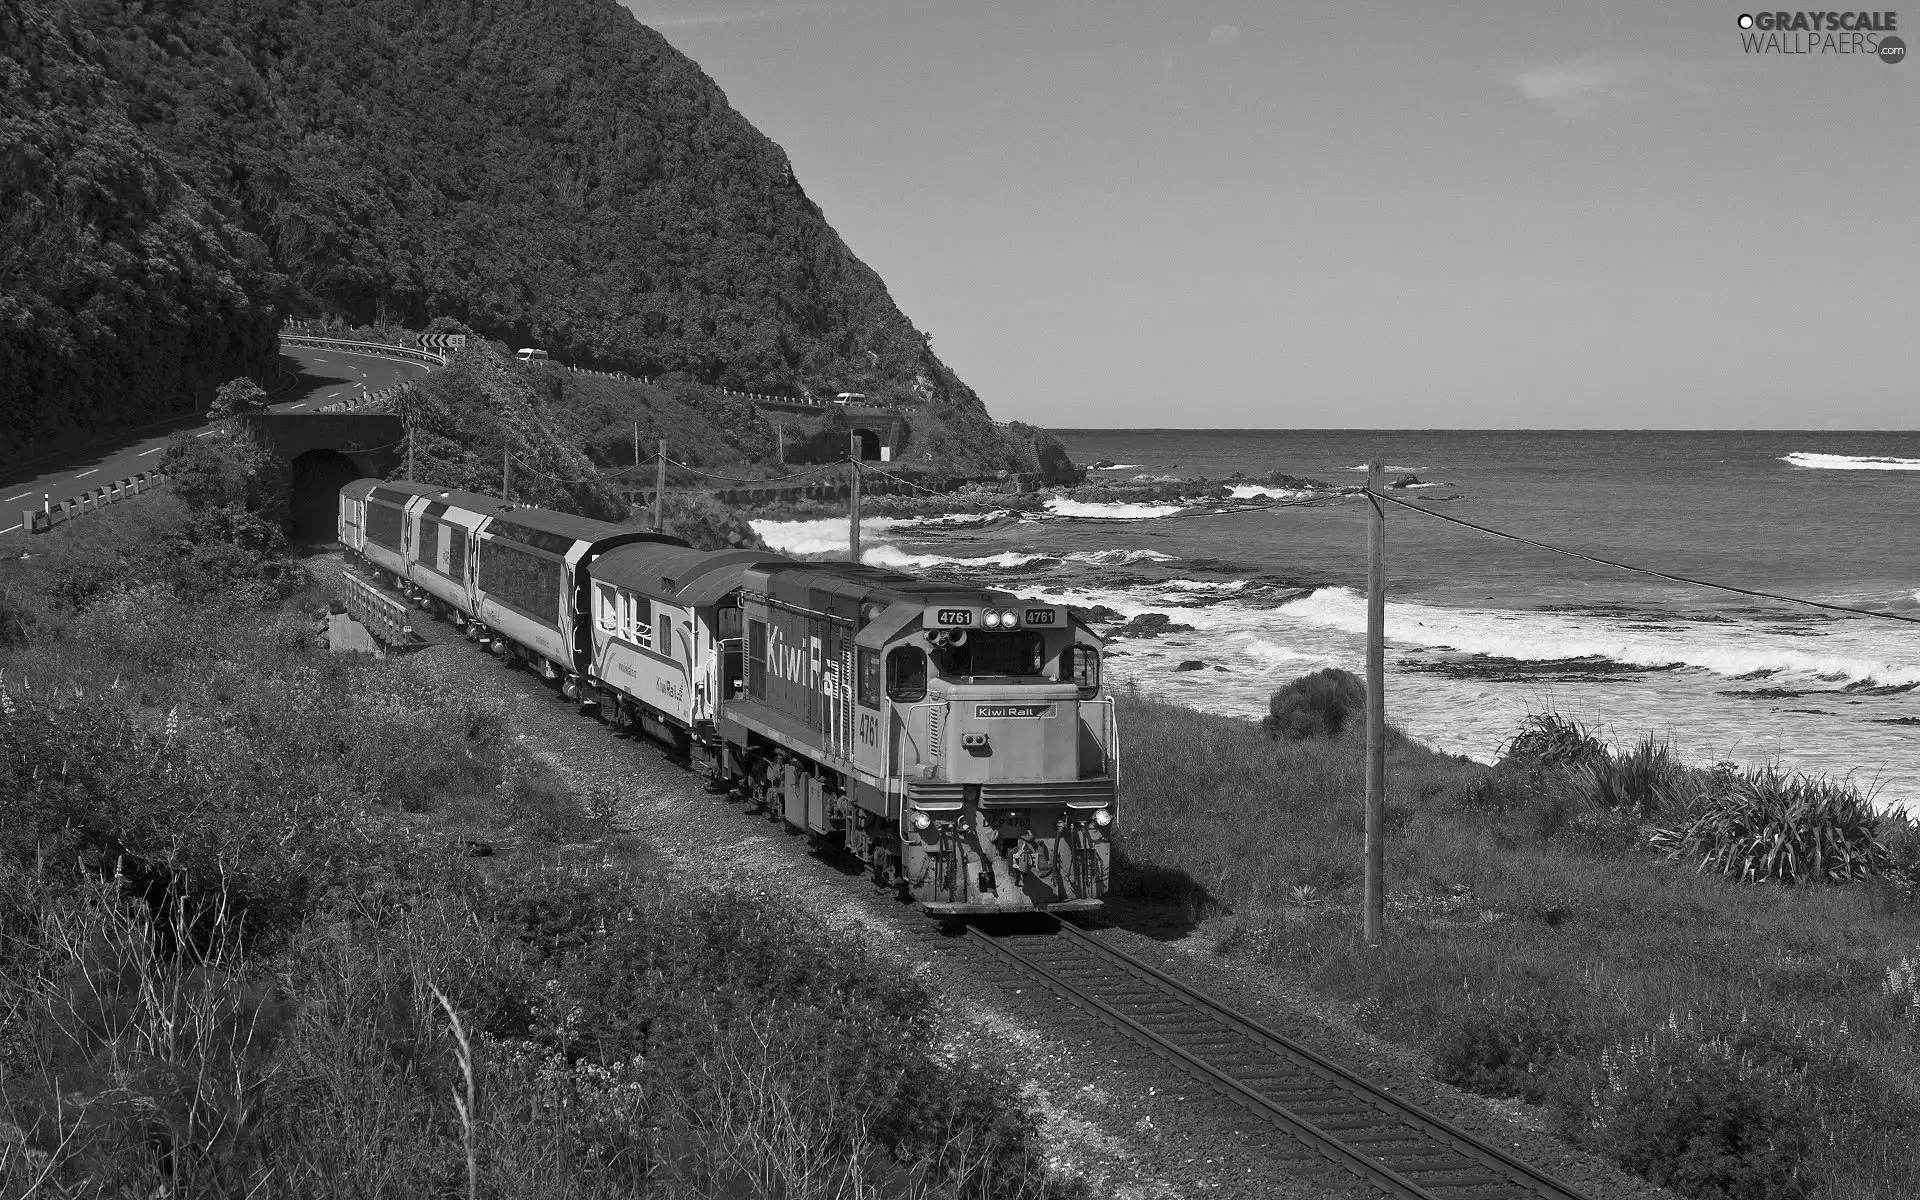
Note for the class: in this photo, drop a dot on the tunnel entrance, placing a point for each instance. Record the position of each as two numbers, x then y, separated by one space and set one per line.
866 445
318 476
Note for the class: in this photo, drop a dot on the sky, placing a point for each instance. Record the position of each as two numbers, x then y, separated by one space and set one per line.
1123 213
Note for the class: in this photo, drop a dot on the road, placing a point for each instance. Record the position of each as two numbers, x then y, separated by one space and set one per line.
319 377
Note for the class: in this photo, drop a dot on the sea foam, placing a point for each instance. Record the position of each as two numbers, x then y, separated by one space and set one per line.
1249 491
896 559
1849 462
1111 512
817 537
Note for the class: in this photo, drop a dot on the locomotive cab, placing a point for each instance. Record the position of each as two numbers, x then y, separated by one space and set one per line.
1005 754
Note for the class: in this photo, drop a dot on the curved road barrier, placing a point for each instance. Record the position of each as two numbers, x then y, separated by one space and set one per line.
49 514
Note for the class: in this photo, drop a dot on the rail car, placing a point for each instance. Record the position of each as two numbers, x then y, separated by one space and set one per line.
956 740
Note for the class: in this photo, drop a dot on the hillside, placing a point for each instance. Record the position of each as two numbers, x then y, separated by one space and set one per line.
126 292
549 173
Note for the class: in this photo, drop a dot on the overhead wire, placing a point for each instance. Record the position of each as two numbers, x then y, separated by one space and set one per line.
1670 577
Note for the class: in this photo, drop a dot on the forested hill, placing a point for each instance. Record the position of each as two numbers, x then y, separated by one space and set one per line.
550 172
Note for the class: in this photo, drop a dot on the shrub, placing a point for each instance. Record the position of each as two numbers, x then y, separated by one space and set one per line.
1552 742
1717 1117
1774 827
236 469
1504 1053
237 396
1644 782
1319 705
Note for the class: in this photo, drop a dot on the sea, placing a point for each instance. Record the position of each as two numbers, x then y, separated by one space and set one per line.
1483 631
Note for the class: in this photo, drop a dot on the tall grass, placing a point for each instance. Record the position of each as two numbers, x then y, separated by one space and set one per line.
1726 1038
238 957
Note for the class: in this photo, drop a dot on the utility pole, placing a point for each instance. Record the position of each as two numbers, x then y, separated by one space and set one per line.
636 444
506 475
1373 894
408 410
853 497
780 441
660 490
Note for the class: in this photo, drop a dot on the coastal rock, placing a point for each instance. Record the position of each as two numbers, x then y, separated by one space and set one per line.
1102 465
1281 479
1149 625
1405 481
1099 614
1192 664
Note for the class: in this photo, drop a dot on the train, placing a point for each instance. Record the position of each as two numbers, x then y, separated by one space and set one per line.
955 740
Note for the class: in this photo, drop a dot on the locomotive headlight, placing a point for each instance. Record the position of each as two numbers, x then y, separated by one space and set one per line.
919 820
992 619
1009 618
1103 816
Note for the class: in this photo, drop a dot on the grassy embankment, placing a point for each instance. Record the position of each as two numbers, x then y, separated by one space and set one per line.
1726 1039
246 951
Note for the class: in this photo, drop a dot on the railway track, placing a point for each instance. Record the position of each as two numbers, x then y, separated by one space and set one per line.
1388 1142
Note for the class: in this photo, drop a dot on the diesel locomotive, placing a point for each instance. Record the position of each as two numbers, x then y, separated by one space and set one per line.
956 740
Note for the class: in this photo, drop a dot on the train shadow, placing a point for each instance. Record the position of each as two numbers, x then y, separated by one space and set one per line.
1160 902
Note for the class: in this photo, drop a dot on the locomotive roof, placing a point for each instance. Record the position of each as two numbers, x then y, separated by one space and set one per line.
860 581
691 577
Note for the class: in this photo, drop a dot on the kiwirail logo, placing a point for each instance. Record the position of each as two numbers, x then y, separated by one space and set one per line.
1867 34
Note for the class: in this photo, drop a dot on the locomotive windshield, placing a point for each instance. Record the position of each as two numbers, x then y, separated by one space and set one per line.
1018 653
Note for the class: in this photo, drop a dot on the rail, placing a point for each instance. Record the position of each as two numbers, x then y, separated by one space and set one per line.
1390 1142
384 617
49 514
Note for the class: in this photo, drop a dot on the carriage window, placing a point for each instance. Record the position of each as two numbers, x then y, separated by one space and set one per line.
869 684
907 675
609 609
633 623
1080 666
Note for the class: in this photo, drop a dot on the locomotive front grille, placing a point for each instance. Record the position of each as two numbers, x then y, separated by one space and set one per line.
1087 792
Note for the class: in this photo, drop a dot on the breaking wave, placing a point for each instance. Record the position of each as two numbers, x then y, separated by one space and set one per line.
1118 558
894 558
1849 462
1249 491
817 537
1111 512
1731 651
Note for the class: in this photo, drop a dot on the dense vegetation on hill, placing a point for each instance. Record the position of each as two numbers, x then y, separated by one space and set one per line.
552 172
126 291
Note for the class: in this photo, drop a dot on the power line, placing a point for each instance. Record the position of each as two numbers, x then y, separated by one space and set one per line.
764 480
1607 562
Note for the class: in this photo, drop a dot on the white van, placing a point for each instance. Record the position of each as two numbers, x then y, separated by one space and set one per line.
529 354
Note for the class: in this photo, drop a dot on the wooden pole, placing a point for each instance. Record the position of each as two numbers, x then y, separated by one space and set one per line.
660 489
1373 894
853 500
506 475
780 441
636 443
410 474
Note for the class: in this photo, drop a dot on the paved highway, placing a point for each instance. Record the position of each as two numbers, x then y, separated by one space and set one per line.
320 377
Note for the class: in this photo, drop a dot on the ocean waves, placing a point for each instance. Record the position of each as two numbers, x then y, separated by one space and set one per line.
1849 462
1109 512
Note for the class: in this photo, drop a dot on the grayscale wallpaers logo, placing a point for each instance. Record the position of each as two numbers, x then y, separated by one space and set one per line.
1869 34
